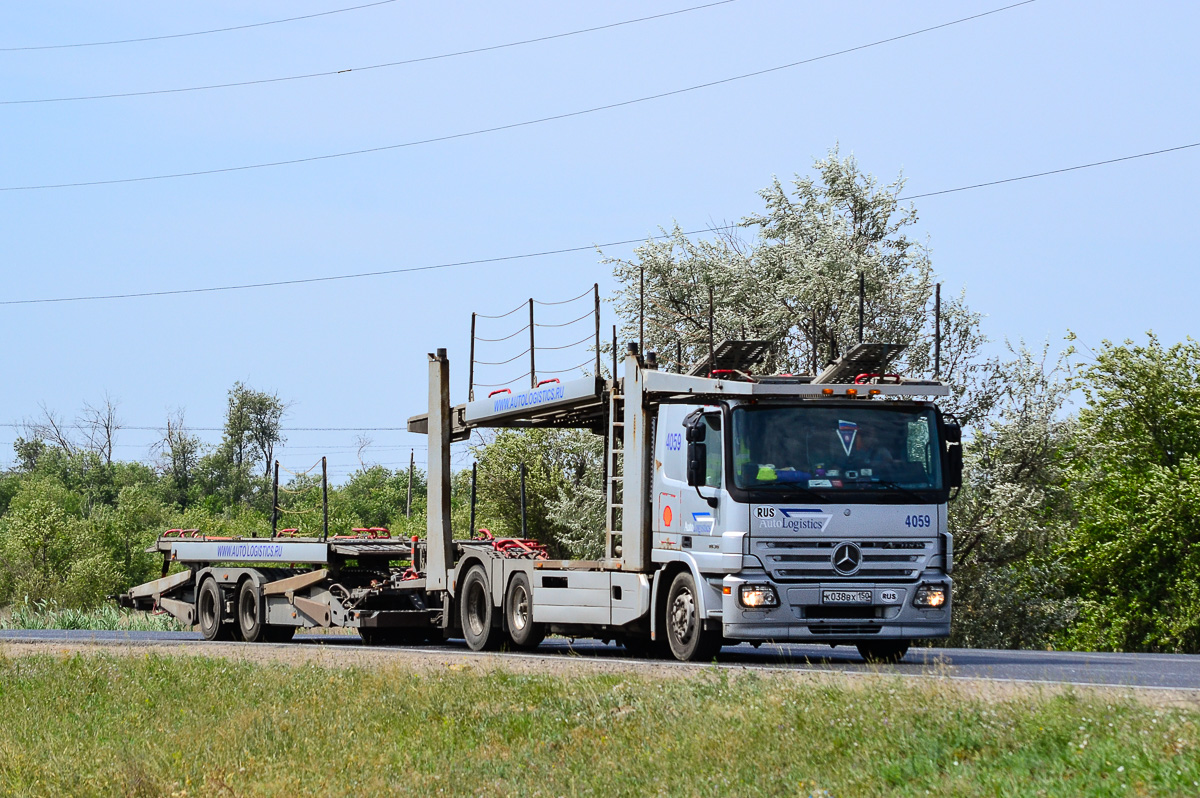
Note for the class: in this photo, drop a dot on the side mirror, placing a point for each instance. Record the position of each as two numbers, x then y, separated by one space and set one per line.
952 432
695 432
697 462
954 466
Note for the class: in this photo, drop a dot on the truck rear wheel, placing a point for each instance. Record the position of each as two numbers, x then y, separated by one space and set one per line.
249 612
883 651
475 611
518 613
686 635
210 611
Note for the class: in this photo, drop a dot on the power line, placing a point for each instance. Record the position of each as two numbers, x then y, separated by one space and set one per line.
511 125
197 32
544 253
1051 172
300 281
405 62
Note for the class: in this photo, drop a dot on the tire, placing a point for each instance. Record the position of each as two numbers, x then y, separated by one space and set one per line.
210 612
688 639
518 615
883 652
249 607
475 611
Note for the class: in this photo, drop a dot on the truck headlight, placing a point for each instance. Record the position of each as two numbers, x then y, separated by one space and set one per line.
756 596
930 596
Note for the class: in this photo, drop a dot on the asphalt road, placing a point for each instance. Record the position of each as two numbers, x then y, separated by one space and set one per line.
1153 671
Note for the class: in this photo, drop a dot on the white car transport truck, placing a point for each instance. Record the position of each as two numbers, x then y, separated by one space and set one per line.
740 509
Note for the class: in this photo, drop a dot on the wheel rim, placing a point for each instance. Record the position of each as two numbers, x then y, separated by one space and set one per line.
248 610
520 609
683 616
208 610
476 609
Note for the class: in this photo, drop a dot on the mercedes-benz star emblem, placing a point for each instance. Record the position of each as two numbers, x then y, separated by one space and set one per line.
846 558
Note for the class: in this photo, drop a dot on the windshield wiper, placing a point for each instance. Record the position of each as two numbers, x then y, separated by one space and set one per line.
788 487
897 486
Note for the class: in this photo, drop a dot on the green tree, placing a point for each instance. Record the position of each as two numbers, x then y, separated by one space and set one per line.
1135 486
46 551
559 464
179 456
796 284
1013 511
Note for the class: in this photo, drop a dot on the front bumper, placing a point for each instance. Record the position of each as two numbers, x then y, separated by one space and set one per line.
802 616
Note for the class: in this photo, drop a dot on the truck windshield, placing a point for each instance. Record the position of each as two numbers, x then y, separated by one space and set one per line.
835 449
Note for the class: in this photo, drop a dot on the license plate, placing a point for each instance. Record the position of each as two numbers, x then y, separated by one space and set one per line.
845 596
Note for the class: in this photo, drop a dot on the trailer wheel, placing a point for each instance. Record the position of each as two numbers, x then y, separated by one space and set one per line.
883 651
210 610
250 612
518 613
475 611
685 630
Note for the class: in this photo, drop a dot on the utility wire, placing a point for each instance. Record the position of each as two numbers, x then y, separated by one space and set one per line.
197 32
544 253
1051 172
387 65
511 125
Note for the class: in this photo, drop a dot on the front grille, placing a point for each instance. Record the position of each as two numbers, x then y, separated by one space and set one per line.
844 629
811 560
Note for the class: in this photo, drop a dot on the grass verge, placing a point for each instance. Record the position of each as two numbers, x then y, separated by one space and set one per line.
48 615
151 725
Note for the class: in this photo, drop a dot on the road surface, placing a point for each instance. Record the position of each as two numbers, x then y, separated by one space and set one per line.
1154 671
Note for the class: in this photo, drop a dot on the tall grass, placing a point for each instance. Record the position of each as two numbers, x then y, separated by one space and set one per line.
49 615
149 725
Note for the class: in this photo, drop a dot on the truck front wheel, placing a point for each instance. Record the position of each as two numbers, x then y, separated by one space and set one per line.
210 610
475 611
688 639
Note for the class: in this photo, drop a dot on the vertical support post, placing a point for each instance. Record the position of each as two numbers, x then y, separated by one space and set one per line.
532 361
637 473
439 554
641 308
412 457
862 298
275 502
324 500
937 331
614 374
474 476
712 351
471 368
679 356
596 294
816 356
524 528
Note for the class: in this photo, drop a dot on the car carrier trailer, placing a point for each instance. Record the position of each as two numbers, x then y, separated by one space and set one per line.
739 508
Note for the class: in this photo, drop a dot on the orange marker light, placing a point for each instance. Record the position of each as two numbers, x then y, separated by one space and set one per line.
827 391
727 590
874 392
851 392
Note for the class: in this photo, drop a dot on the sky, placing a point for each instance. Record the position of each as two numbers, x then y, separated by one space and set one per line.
1105 252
